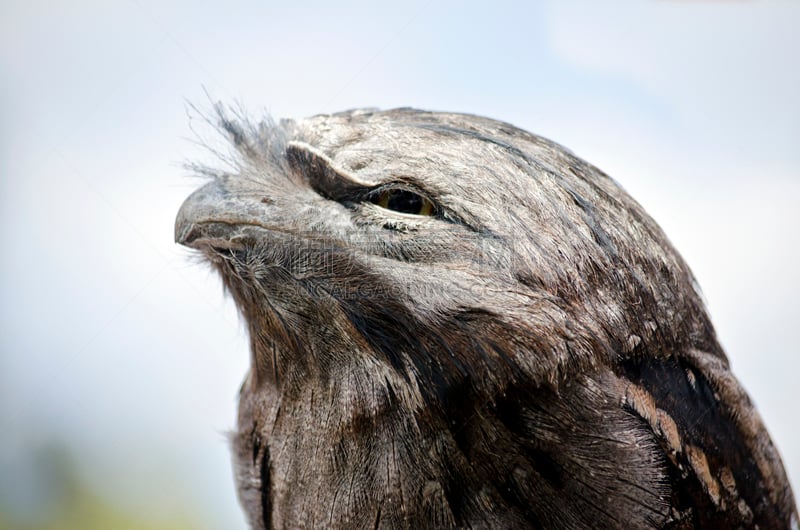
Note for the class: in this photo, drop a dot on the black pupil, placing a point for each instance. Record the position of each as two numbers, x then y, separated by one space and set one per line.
404 202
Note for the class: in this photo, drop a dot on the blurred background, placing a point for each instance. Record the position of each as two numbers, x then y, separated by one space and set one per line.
121 357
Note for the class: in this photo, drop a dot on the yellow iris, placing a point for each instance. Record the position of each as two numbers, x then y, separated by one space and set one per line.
404 201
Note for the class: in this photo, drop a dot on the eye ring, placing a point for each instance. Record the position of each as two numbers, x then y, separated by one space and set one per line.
403 201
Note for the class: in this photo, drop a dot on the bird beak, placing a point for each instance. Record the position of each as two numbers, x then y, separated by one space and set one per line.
213 217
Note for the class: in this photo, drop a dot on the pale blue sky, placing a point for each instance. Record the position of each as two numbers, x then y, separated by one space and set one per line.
120 346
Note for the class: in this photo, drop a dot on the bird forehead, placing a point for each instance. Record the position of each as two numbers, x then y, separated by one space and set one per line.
416 142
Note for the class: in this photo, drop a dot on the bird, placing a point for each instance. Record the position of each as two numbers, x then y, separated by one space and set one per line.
455 323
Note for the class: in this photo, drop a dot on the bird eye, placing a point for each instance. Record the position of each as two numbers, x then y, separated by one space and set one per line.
403 201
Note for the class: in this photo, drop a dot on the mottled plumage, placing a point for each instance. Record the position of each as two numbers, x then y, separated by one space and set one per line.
456 323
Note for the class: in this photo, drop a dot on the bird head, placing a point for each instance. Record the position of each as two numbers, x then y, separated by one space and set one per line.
436 248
